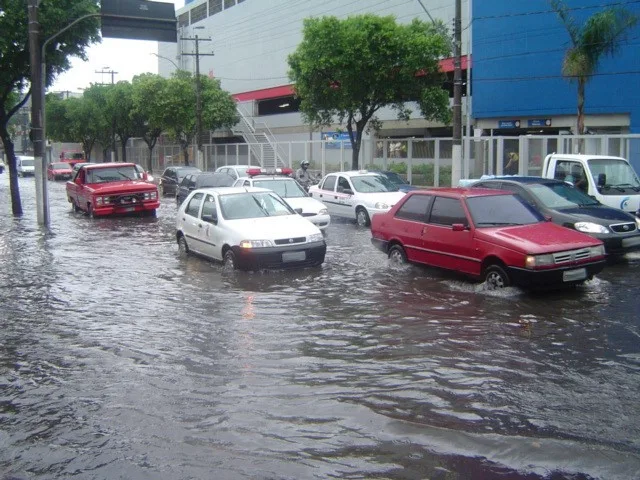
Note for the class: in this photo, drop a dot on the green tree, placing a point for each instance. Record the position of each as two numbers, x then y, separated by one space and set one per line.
96 97
15 74
349 69
120 107
148 109
602 34
178 116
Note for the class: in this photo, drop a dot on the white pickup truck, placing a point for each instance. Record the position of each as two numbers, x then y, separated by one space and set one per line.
610 180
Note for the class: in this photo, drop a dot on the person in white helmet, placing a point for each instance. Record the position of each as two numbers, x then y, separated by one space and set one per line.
303 176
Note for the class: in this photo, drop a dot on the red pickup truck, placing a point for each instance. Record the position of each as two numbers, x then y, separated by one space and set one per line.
112 189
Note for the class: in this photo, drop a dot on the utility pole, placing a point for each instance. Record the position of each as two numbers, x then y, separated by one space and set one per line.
37 120
114 151
456 154
200 159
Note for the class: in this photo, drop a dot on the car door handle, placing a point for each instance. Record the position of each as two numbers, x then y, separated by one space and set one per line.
424 230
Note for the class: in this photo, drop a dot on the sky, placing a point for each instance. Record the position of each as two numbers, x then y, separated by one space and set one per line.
126 57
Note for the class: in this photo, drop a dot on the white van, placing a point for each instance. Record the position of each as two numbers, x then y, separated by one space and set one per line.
25 165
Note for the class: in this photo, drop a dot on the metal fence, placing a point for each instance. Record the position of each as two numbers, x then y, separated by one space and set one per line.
422 161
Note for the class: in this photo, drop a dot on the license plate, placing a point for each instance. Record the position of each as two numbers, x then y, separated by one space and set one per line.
128 209
573 275
294 256
631 242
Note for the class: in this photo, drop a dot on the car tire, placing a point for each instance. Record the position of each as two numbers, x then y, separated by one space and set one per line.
495 277
183 247
149 213
74 206
90 211
397 255
362 217
229 260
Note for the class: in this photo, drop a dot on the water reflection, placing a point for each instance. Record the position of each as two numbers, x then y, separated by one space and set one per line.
120 358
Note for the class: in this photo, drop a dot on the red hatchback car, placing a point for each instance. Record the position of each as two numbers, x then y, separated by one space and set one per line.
59 171
491 235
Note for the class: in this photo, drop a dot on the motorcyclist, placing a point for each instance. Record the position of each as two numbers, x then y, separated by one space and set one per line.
303 176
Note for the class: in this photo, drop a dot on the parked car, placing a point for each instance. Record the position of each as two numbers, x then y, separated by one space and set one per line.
111 189
280 181
59 171
247 228
356 194
235 171
25 165
171 178
492 235
568 206
396 179
201 180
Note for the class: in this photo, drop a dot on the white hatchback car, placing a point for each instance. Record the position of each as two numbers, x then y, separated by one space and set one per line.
288 188
356 194
247 228
235 171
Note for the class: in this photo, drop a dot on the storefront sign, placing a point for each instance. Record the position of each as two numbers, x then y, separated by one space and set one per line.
539 122
508 123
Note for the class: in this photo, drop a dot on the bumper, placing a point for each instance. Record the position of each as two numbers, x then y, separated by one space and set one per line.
320 221
295 256
168 189
62 176
380 244
569 275
621 245
125 210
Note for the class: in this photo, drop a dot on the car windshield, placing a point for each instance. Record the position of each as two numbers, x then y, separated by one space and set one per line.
239 206
501 210
214 180
394 178
27 162
619 173
285 187
60 166
560 195
373 184
111 174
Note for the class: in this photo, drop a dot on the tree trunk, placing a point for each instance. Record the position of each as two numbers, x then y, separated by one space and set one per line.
581 86
16 203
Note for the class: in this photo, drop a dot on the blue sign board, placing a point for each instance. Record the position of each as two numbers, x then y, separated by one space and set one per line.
335 139
539 122
508 123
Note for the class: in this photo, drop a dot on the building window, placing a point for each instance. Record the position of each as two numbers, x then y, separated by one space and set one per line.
183 20
229 3
215 6
198 13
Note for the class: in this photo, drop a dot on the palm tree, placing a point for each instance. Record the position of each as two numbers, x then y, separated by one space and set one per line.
602 34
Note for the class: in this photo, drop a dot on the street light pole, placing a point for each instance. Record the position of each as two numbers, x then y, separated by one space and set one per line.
114 152
456 153
197 54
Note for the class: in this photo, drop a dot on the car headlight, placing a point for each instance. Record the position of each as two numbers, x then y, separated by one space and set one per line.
315 237
103 200
256 243
589 227
638 221
150 195
324 211
597 251
381 206
534 261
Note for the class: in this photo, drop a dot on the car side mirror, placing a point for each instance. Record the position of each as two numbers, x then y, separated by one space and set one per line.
602 179
458 227
348 191
298 211
548 218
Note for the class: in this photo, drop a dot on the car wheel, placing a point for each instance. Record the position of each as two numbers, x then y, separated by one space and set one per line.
183 248
230 260
362 217
149 213
495 277
74 206
397 255
90 211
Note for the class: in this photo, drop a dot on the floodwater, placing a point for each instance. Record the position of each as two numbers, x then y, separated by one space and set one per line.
121 359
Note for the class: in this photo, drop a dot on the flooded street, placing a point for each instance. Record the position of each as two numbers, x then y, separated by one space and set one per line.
121 359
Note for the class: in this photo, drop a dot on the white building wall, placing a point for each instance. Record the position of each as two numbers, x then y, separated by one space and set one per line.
251 40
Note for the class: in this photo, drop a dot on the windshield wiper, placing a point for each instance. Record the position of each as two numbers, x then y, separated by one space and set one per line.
622 186
264 210
497 224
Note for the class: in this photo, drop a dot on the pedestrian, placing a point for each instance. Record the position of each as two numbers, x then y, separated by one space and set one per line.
511 168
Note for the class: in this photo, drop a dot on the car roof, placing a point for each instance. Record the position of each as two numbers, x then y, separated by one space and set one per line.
275 176
237 166
231 190
522 179
460 192
583 156
94 166
357 173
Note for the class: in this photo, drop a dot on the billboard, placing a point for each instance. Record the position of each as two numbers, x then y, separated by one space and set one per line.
336 139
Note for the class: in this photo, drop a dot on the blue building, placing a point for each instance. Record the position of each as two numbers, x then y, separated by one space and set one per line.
517 87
